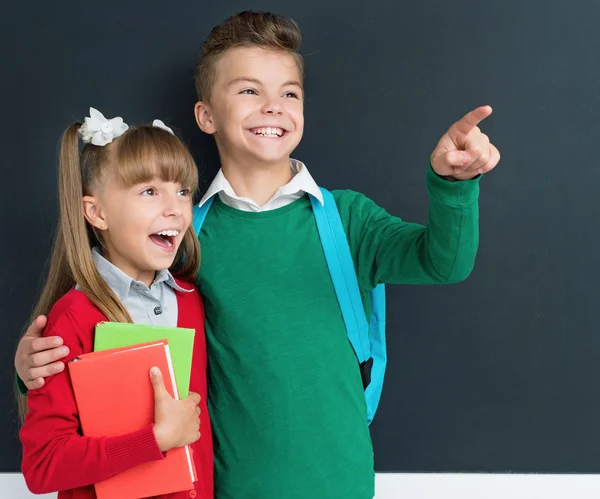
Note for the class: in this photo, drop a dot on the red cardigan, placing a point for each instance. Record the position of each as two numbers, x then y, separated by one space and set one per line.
56 457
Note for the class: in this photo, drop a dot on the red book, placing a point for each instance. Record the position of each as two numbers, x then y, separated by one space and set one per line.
114 397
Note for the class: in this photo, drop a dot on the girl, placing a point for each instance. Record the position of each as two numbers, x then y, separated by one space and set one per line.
125 213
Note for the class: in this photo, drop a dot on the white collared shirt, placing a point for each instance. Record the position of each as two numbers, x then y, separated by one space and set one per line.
301 183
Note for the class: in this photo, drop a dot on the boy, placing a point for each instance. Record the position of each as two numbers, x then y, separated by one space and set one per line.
285 392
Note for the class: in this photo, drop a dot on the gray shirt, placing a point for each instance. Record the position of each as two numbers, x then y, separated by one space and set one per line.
155 305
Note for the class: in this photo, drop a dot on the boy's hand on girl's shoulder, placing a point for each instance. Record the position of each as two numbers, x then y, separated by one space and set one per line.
465 151
38 357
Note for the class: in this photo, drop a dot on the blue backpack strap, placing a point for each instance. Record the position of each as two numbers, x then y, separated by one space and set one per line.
341 267
378 350
199 214
368 340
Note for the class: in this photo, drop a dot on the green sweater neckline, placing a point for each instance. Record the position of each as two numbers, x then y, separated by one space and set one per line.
297 204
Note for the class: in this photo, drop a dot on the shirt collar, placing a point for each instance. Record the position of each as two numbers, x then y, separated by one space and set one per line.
301 182
121 283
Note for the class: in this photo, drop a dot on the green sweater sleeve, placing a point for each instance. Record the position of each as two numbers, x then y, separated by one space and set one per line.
387 249
20 385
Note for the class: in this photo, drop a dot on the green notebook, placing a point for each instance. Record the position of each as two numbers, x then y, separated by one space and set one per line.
181 344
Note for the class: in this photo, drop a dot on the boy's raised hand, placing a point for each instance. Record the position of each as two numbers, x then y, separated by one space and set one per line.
176 422
37 357
464 151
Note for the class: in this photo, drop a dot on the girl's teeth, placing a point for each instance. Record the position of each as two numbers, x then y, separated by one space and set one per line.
171 233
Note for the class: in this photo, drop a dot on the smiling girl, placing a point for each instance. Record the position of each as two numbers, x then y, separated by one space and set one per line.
125 214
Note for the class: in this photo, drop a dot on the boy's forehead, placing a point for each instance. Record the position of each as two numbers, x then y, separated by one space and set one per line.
256 63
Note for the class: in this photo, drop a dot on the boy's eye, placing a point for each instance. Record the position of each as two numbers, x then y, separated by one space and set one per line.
292 95
248 91
150 191
184 192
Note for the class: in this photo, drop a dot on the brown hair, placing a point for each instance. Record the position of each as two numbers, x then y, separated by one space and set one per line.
246 29
140 154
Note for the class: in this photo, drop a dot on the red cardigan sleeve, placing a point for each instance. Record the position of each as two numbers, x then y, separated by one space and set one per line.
55 454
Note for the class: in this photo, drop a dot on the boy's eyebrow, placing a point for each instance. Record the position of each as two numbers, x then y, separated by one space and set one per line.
245 79
292 82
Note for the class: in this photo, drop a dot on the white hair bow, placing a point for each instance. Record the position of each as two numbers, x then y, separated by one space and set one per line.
100 131
160 124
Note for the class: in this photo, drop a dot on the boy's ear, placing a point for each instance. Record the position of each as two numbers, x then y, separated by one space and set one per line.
93 212
204 119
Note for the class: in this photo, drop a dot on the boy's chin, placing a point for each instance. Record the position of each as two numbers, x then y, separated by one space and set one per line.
271 158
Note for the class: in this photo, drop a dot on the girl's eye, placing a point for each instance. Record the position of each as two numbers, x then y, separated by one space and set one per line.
248 91
184 192
292 95
150 191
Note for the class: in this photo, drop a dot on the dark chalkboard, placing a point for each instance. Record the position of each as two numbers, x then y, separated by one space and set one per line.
499 373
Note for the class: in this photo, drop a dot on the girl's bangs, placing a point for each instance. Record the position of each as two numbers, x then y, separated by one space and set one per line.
144 153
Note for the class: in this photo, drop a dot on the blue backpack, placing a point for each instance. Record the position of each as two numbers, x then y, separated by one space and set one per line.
367 337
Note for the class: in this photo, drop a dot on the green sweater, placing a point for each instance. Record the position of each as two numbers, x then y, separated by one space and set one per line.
285 393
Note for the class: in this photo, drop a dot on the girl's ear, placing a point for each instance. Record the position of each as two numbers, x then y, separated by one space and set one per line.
93 212
203 115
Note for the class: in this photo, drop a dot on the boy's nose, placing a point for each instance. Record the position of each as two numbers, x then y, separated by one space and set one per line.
272 108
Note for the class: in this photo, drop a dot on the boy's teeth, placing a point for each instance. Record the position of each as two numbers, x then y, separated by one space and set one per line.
172 233
269 131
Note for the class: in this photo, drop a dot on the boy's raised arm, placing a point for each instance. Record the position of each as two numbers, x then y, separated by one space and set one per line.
387 249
